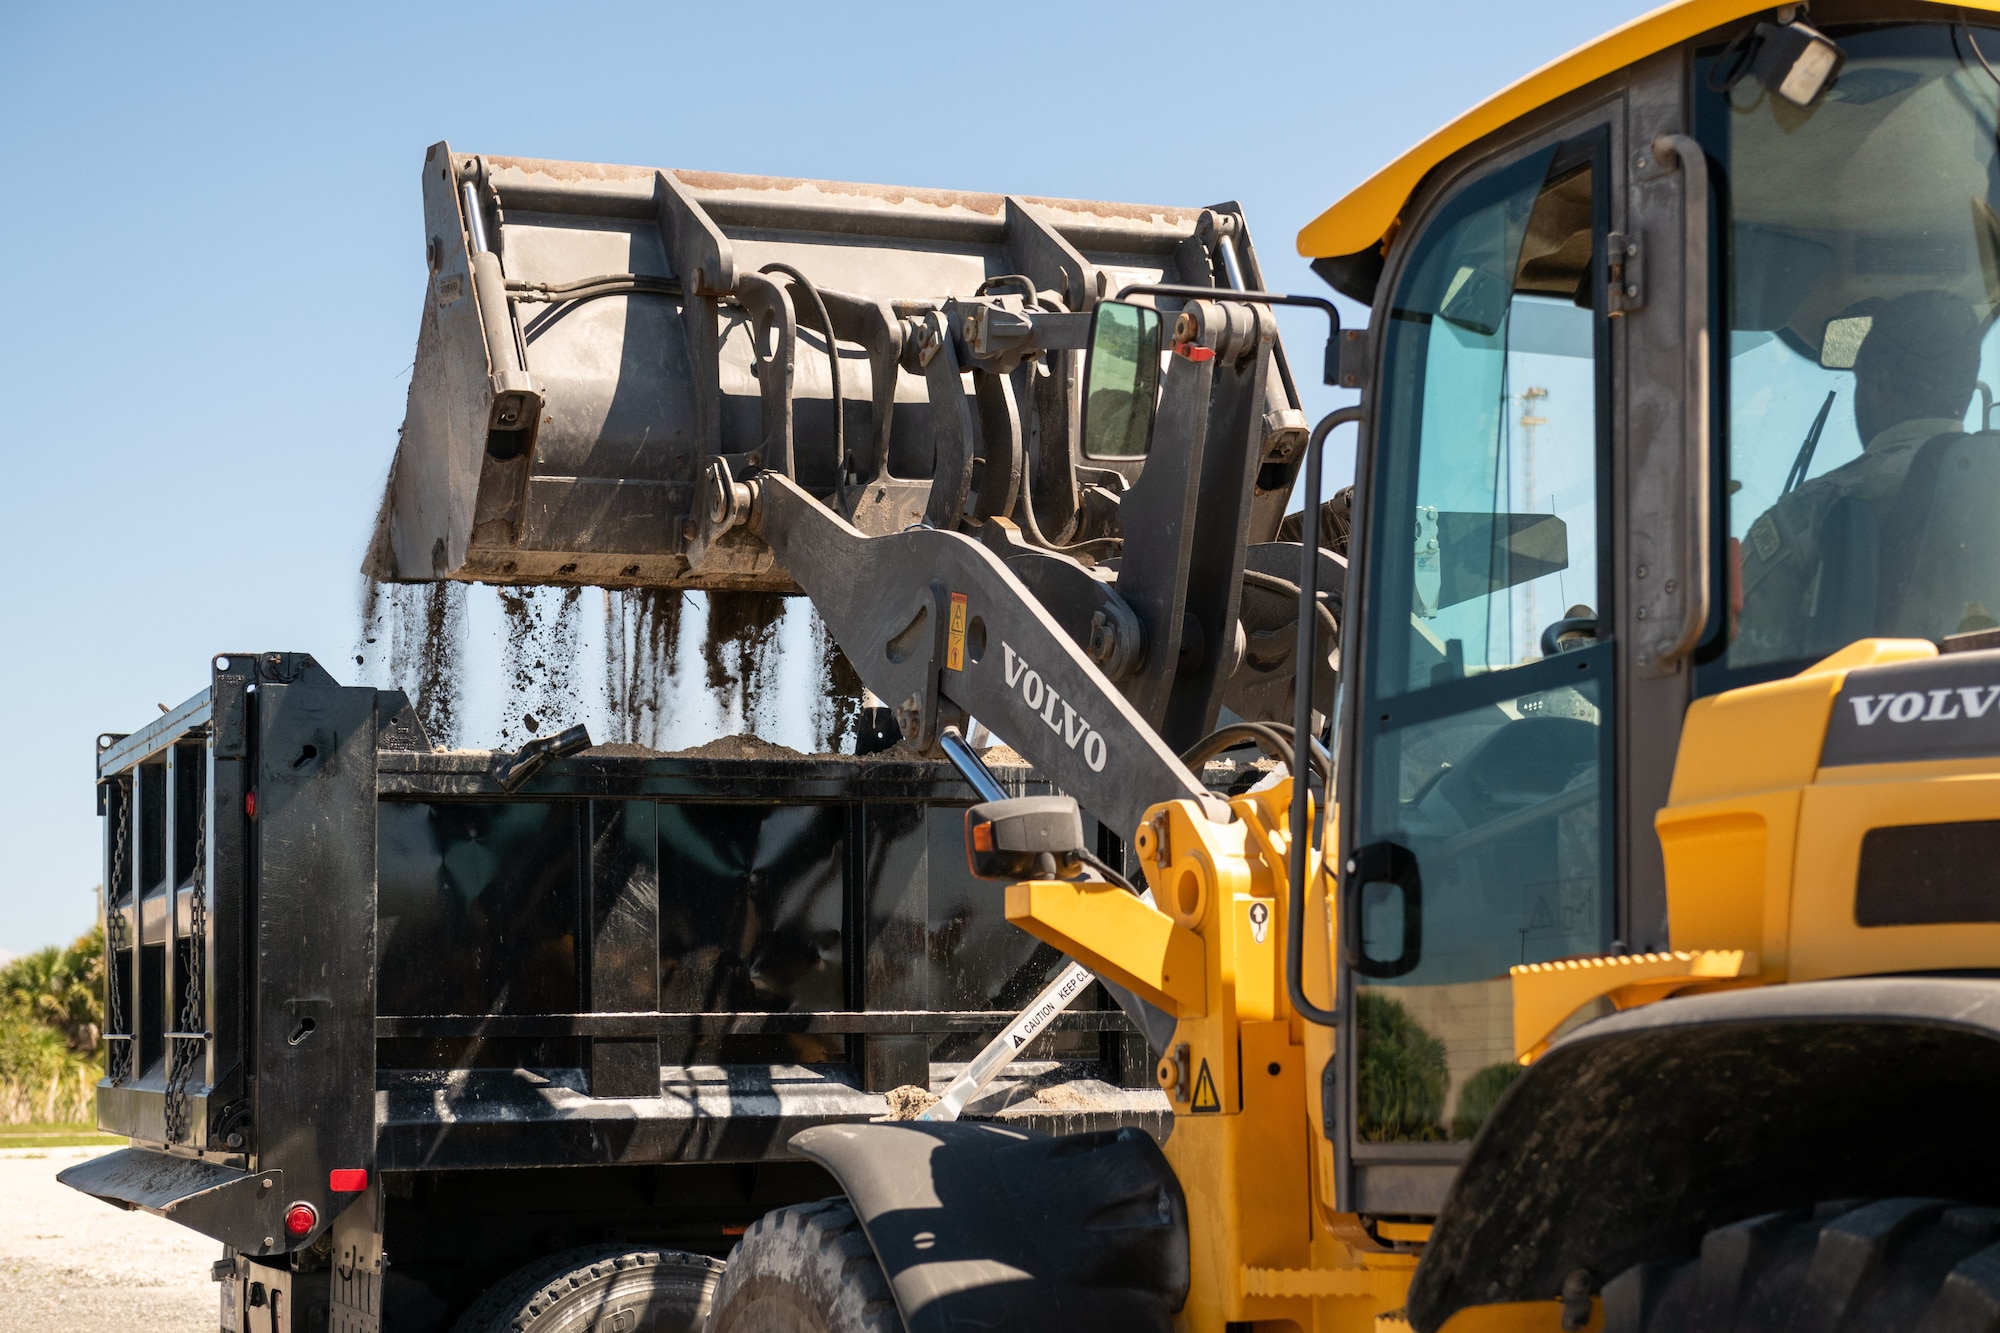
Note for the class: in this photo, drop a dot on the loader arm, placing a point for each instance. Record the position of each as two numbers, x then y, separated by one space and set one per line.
1095 681
1097 673
935 621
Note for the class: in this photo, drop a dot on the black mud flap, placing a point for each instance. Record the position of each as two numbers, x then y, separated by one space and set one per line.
1639 1133
988 1226
240 1208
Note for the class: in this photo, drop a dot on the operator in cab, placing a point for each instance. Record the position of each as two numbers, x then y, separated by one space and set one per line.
1914 376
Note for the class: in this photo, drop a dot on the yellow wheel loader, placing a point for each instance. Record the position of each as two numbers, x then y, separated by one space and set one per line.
1618 944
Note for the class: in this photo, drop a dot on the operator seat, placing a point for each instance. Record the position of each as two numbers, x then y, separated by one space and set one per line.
1850 576
1941 540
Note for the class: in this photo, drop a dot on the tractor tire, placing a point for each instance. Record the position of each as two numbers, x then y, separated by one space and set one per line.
598 1288
805 1269
1901 1265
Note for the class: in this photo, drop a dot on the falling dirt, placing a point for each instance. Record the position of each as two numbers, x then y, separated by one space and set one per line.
414 636
740 649
642 640
420 628
838 708
540 660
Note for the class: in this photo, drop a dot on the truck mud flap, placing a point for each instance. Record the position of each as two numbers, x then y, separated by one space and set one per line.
239 1208
979 1225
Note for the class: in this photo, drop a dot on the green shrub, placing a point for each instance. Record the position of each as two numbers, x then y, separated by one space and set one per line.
51 1033
41 1079
1402 1072
1480 1095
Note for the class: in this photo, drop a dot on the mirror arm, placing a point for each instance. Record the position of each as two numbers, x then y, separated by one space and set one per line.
1330 371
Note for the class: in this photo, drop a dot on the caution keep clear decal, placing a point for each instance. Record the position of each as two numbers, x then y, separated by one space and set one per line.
954 649
1204 1091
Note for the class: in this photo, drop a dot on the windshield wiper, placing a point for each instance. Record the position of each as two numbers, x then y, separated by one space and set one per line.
1804 460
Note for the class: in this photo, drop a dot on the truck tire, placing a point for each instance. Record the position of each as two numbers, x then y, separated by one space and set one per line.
1916 1265
633 1289
805 1269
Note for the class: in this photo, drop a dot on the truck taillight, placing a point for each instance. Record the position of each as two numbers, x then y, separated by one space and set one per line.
347 1180
301 1218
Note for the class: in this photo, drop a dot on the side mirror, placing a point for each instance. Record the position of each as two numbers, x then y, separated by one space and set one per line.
1382 924
1121 381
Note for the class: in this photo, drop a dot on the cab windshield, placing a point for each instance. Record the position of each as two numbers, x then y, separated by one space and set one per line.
1862 237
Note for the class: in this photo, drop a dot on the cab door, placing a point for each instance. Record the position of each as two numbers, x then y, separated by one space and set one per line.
1478 811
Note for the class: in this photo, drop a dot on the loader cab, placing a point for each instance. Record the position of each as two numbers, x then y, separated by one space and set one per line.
1682 380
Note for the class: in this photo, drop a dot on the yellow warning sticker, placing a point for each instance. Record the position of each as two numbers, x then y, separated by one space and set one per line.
1204 1091
954 650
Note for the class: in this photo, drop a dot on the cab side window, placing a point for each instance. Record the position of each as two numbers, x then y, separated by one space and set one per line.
1484 809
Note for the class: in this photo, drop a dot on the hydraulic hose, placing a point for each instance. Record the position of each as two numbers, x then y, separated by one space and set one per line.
587 289
1272 583
832 359
1273 738
1032 468
562 297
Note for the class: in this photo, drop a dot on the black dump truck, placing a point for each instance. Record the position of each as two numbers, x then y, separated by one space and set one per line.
436 1040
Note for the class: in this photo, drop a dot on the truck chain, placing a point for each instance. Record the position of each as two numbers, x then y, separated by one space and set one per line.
185 1052
118 1054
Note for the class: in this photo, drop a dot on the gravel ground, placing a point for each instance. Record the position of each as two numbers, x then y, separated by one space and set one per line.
71 1263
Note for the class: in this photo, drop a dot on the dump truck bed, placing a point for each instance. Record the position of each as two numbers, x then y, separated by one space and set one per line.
331 947
775 942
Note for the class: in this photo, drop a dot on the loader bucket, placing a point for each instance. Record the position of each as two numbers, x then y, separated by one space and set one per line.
594 337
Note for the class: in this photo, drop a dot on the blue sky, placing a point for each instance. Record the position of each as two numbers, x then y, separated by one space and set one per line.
211 228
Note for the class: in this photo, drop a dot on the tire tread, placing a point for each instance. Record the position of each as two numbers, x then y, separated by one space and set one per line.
1842 1266
516 1302
821 1255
